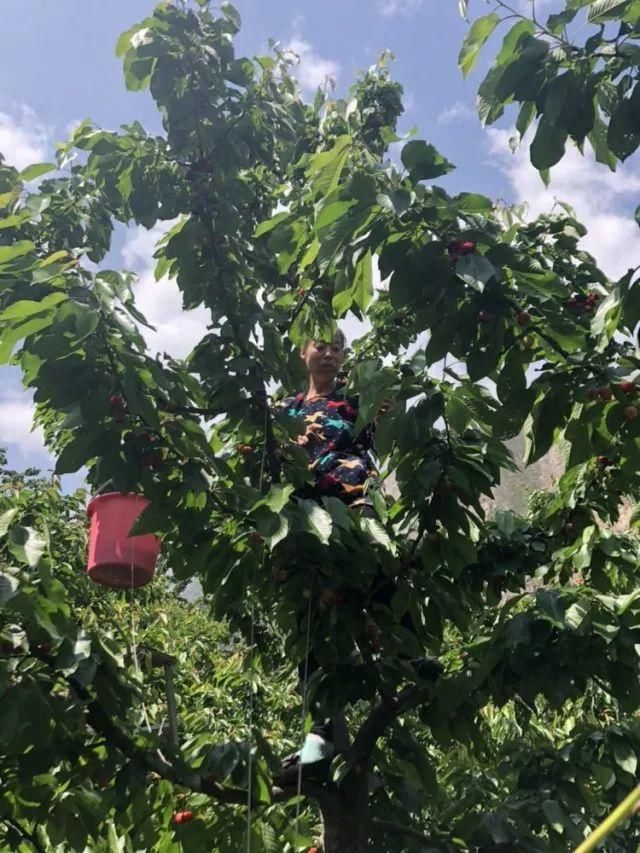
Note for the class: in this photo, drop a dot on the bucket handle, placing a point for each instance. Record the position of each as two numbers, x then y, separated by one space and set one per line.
102 487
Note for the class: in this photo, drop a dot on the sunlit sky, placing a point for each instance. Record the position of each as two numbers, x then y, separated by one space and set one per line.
57 67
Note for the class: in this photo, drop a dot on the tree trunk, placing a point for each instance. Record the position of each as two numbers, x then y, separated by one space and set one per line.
345 819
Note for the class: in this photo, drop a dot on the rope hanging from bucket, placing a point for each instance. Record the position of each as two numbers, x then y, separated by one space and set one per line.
250 724
252 616
134 642
303 718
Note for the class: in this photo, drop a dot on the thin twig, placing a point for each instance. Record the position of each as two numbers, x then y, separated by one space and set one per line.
24 833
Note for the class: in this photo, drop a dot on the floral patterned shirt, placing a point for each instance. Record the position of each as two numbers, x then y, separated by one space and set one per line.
338 457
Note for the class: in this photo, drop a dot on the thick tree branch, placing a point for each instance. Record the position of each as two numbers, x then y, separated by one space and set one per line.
178 773
382 716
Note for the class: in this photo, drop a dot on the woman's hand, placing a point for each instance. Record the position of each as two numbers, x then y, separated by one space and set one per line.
313 433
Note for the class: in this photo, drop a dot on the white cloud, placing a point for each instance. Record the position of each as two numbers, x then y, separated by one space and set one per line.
456 112
603 200
177 330
409 102
393 8
311 69
23 137
16 421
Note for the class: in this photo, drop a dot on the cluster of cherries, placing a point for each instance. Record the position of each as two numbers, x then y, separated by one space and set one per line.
182 817
118 407
583 304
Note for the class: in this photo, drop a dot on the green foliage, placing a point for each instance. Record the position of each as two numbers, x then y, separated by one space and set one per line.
66 644
576 71
275 212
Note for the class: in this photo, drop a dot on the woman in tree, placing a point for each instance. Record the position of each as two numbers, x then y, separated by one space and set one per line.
339 458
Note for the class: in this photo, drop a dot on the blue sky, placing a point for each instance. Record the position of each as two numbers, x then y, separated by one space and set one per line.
57 66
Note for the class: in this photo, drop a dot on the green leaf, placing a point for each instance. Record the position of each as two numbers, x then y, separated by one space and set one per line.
472 203
278 497
36 171
562 99
362 289
27 545
480 31
598 140
75 453
623 135
475 270
525 117
378 533
17 250
8 587
231 14
25 308
318 521
5 520
606 10
554 815
423 161
548 145
325 168
269 224
624 755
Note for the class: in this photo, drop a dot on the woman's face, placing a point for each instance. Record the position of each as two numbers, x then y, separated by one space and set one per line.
323 360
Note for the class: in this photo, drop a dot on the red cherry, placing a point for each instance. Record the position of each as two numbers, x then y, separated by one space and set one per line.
485 317
630 413
313 850
628 387
246 449
117 401
593 394
300 292
605 393
256 538
182 817
523 318
604 461
468 247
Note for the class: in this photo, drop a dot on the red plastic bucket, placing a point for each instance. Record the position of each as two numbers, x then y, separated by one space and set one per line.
116 559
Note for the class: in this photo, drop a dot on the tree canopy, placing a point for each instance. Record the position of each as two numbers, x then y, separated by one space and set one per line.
277 217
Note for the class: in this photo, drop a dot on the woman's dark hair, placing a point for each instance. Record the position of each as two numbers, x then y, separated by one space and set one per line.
340 335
